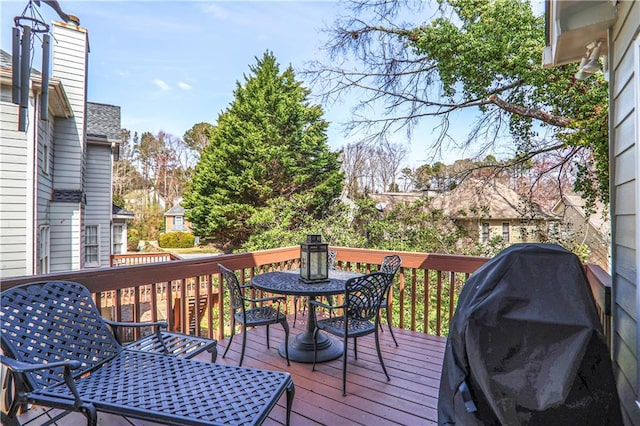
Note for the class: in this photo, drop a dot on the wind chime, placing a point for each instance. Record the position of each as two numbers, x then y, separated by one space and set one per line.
27 27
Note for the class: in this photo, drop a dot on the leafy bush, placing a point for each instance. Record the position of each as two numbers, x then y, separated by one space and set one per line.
133 239
176 240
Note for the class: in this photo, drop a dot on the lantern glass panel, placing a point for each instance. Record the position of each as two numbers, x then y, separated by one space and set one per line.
313 259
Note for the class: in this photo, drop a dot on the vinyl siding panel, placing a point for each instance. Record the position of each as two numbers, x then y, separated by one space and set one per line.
65 236
625 167
624 110
626 198
14 156
625 134
98 190
69 65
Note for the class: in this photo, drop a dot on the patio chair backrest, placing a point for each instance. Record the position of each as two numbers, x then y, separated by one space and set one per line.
235 292
364 294
44 322
331 259
391 264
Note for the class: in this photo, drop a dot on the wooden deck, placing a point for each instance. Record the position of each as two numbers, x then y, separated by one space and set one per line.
410 398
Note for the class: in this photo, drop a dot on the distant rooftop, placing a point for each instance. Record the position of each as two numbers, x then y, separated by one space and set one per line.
103 122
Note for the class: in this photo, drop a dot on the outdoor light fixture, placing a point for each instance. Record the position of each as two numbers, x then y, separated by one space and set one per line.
313 260
589 63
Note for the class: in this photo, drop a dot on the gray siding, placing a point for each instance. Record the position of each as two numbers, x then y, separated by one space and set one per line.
45 180
624 192
66 236
69 65
14 157
98 190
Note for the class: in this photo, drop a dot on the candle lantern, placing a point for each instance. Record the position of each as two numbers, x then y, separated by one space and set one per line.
313 260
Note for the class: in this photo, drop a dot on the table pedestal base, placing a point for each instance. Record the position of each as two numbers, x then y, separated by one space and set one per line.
301 348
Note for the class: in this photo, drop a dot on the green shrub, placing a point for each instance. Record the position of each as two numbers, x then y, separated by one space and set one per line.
176 240
133 238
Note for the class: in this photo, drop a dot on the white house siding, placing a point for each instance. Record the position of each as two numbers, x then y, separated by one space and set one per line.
98 191
14 156
625 189
66 226
45 180
70 65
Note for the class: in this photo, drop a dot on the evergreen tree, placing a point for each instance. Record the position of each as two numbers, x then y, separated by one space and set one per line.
270 142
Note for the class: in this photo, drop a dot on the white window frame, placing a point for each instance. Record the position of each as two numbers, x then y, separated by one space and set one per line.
45 157
44 249
178 220
116 238
485 236
506 230
96 244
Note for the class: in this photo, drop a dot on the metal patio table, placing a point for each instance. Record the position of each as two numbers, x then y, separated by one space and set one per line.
289 283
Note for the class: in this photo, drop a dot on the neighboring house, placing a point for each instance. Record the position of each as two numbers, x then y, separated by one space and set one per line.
571 27
141 199
174 219
488 209
55 178
593 230
387 200
103 135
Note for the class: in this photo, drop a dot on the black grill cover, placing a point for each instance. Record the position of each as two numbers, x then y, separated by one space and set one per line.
526 347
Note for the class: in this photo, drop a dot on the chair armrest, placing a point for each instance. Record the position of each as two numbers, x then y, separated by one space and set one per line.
324 305
27 367
266 299
159 325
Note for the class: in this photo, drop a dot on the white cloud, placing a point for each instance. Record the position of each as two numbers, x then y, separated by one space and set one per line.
184 86
216 11
161 84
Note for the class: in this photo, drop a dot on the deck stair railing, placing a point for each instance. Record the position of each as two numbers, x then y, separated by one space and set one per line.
423 298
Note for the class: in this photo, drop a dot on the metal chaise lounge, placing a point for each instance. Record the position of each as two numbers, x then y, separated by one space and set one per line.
61 353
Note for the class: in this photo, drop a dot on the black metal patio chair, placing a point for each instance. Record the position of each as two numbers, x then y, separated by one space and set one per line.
390 265
359 316
60 353
252 317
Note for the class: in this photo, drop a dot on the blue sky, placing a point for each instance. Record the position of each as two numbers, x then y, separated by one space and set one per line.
171 64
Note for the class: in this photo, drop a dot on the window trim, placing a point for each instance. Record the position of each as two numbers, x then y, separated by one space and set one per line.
45 158
119 241
88 264
506 231
485 235
44 249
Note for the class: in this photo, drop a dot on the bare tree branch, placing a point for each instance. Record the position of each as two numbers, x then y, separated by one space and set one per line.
529 112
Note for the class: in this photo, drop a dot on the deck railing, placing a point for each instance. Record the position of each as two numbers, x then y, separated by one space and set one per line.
423 298
142 258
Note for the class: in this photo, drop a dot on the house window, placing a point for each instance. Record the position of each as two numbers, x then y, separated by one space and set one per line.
178 220
485 232
91 246
45 158
505 232
117 239
43 249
